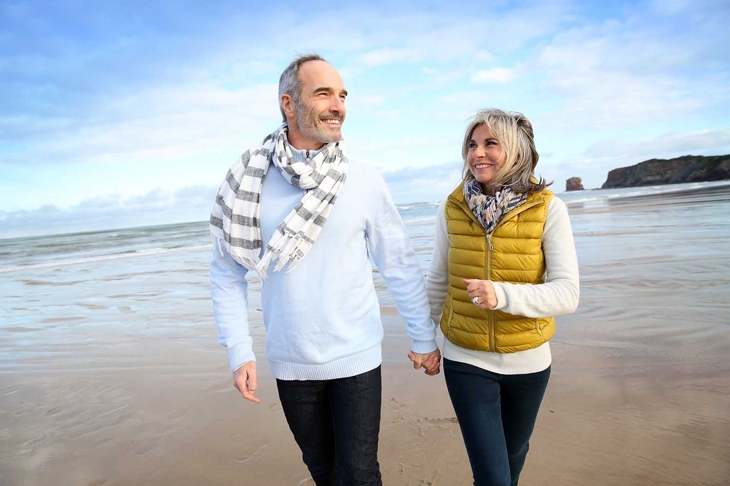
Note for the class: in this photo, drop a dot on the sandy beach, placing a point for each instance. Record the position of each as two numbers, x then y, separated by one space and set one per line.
110 373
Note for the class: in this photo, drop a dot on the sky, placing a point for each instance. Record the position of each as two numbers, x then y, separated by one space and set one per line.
116 114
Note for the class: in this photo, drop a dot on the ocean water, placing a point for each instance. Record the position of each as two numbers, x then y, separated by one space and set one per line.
21 256
156 278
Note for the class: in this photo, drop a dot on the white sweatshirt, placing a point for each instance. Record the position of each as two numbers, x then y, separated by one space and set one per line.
323 318
558 295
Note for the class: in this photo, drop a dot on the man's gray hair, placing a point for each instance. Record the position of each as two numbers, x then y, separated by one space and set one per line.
289 82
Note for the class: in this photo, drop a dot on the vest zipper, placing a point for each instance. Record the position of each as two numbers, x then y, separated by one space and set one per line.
490 313
465 207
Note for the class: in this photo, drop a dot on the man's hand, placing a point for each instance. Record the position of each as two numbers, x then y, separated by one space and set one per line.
483 290
244 379
430 361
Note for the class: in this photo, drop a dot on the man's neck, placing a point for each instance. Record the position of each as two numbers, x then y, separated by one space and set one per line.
299 142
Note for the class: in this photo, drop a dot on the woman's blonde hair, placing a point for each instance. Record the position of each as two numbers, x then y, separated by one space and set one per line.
514 132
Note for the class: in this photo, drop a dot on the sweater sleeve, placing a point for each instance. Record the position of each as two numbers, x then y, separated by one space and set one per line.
228 290
560 293
437 281
396 261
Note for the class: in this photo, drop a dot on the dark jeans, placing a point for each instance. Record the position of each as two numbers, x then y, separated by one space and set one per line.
497 415
336 424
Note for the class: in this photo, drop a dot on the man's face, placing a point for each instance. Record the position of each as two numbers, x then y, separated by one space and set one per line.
320 111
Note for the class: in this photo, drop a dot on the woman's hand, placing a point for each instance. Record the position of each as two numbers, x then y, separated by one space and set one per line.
482 293
431 362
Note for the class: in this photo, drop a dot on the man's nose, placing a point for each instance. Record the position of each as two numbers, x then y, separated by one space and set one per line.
337 104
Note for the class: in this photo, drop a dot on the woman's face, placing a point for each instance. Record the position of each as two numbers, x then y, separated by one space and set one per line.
485 155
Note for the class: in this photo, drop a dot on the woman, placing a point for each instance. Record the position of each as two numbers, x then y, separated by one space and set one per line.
503 264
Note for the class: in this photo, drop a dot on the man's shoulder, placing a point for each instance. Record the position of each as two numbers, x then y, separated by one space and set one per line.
363 173
360 167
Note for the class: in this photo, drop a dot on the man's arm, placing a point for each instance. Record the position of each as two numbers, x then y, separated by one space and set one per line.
228 290
396 261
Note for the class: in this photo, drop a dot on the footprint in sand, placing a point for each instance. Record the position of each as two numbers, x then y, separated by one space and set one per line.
146 446
221 386
98 482
178 415
428 423
32 444
249 450
101 442
54 411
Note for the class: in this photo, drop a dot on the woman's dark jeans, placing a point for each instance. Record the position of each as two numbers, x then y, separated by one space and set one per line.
497 415
336 424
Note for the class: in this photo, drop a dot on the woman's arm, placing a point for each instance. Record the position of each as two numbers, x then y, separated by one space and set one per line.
437 281
560 292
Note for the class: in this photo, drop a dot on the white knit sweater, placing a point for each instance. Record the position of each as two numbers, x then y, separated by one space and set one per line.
323 318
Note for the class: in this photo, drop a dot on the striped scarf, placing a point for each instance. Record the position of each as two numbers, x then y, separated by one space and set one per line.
490 209
235 218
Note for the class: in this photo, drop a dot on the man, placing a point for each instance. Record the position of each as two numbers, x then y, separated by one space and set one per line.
306 218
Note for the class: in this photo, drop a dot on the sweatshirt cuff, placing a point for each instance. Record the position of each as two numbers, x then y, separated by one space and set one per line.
423 347
501 296
240 354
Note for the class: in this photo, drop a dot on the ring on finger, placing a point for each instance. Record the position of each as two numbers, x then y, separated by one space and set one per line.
475 299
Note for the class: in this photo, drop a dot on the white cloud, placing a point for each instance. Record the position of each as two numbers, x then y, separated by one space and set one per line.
376 147
192 203
366 101
483 56
418 184
668 145
494 75
154 125
627 72
386 56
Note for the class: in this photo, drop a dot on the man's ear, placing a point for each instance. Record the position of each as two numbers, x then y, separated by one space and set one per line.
287 103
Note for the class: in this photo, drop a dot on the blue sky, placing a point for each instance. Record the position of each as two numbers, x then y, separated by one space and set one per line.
129 113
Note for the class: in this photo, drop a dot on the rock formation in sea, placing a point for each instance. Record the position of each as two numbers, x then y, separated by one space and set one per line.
688 168
573 184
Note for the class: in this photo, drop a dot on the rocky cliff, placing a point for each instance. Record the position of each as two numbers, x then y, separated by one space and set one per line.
688 168
574 184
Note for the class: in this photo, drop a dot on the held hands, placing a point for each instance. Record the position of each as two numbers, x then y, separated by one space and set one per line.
244 379
431 362
483 291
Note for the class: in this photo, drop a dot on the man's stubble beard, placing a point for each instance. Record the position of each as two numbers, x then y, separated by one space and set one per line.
309 125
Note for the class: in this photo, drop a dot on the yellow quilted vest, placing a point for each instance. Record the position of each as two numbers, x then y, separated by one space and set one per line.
513 253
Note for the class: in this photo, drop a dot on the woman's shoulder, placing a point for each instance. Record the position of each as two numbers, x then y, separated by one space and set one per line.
557 203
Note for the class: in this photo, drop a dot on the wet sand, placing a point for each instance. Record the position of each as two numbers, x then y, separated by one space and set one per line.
104 388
